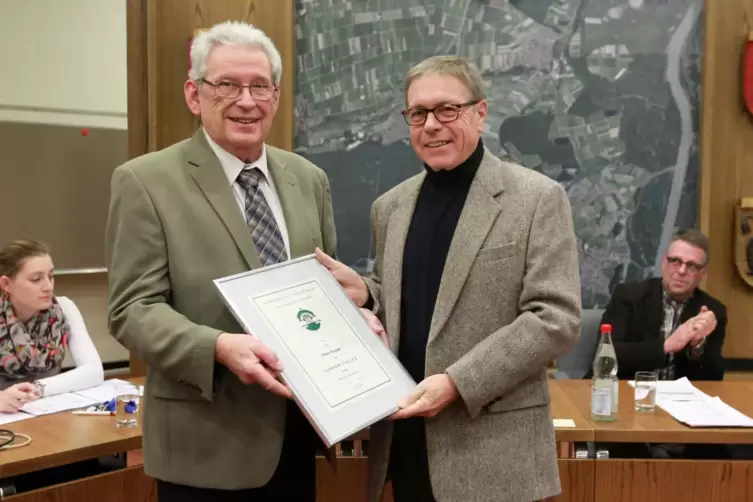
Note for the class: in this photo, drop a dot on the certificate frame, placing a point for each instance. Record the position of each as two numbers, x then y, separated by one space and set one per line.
344 380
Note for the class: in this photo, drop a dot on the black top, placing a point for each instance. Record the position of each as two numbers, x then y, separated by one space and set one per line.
438 207
636 313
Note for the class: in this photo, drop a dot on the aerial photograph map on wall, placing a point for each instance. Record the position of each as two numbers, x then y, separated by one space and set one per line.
600 95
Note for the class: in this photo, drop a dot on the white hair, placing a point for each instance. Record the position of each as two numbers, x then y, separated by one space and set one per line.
232 33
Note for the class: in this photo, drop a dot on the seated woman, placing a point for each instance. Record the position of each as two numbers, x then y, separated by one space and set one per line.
36 330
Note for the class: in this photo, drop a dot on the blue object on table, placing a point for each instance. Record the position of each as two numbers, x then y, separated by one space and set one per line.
130 406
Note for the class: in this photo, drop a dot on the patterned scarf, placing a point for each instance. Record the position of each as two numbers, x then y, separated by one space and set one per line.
31 348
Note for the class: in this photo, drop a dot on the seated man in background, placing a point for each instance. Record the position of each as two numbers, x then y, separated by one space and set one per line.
36 329
668 324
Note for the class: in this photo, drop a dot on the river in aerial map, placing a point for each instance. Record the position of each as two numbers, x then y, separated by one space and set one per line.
601 96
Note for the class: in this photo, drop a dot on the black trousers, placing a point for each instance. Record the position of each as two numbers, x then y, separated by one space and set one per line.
294 479
409 462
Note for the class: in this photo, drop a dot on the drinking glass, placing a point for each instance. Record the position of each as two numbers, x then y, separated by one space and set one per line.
127 409
645 390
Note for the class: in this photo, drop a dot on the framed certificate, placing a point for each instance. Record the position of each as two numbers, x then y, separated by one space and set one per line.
342 375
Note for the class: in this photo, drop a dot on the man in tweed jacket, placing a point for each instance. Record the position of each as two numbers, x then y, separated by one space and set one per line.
476 283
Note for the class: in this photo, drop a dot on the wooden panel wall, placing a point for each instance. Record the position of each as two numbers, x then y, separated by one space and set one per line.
726 163
127 485
158 36
577 479
673 481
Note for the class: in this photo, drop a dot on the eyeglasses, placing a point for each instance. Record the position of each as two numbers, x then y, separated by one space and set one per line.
445 113
679 262
231 90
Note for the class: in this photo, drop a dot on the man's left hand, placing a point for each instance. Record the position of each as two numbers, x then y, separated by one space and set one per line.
432 396
702 325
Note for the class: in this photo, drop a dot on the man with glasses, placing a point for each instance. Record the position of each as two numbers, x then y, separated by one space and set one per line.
668 324
476 282
218 425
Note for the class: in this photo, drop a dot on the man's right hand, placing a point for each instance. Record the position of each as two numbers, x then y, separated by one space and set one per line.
251 361
376 325
348 278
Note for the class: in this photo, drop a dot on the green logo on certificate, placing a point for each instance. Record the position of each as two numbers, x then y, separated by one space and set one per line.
308 320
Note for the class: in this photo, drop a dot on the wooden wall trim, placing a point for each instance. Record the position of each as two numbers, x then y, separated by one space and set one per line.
138 124
726 164
137 77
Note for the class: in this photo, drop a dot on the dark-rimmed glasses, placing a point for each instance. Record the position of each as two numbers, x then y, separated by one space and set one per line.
679 262
231 90
444 113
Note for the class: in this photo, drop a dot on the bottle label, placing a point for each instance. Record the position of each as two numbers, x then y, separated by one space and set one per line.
601 402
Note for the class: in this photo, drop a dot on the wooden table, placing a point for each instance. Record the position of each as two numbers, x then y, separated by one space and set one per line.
659 427
576 475
628 480
563 407
63 438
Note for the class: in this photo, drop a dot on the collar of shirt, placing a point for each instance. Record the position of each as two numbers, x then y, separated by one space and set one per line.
233 166
669 302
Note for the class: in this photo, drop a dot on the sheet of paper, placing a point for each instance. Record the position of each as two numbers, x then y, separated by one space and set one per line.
712 413
109 390
54 404
564 422
676 390
8 418
322 340
687 404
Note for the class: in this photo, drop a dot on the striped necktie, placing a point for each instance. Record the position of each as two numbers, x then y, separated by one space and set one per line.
260 219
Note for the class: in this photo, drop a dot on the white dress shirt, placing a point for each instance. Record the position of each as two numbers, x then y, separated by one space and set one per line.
233 166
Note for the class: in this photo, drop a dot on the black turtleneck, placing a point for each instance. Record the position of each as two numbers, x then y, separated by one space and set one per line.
438 207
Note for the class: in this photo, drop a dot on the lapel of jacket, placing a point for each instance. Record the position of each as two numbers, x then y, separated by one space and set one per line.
655 307
479 214
392 260
209 175
299 233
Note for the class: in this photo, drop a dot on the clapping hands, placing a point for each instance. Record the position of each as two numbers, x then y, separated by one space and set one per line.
692 332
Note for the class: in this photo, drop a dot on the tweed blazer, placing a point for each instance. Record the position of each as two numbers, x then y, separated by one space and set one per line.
508 304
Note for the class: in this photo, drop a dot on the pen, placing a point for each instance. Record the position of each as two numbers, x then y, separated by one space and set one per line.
103 413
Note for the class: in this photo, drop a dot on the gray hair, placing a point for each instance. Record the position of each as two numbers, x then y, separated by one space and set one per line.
695 238
232 33
454 66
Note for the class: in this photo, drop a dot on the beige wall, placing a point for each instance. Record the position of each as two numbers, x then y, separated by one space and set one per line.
70 57
89 292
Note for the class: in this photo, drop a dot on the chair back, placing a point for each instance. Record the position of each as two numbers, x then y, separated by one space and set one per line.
577 362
